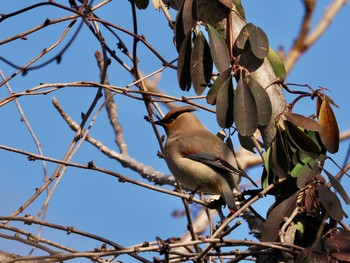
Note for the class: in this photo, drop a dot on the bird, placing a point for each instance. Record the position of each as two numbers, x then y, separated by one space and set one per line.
198 159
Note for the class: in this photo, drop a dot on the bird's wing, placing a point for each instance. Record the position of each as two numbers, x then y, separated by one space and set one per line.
211 160
218 162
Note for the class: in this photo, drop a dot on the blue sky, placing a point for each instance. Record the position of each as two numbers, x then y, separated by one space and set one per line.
98 203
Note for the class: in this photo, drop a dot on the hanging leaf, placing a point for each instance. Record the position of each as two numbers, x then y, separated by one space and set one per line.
201 64
302 121
280 155
307 174
262 101
183 64
302 141
189 15
298 168
218 83
259 42
246 143
277 64
276 217
245 110
141 4
244 35
224 104
218 49
179 29
330 202
338 187
329 131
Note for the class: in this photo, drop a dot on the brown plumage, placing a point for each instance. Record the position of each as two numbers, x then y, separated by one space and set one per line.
197 158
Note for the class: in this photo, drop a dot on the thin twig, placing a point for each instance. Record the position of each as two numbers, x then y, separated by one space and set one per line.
42 53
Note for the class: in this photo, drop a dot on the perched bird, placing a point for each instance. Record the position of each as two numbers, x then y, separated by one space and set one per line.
197 158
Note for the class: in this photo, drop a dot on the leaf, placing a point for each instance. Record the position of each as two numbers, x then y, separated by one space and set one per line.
338 187
183 64
329 131
226 3
305 172
245 110
302 141
224 104
218 83
330 202
277 64
244 35
179 29
302 121
336 242
275 218
259 42
201 64
280 156
218 49
262 101
246 143
189 15
141 4
298 168
239 7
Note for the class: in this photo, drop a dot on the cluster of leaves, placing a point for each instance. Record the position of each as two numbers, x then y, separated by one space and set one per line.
297 156
248 105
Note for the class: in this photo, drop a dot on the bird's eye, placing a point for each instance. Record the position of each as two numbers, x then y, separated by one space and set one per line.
170 120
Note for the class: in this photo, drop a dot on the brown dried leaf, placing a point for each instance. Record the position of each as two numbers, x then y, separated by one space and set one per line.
329 131
302 121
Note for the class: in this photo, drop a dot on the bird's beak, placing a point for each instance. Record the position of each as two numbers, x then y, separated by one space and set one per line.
160 123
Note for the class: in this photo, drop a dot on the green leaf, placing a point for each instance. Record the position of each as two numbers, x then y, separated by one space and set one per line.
218 83
267 159
183 64
259 42
277 64
262 101
302 141
141 4
298 168
218 49
201 64
245 110
224 104
300 227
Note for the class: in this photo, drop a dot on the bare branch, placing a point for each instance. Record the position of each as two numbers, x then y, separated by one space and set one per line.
305 41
